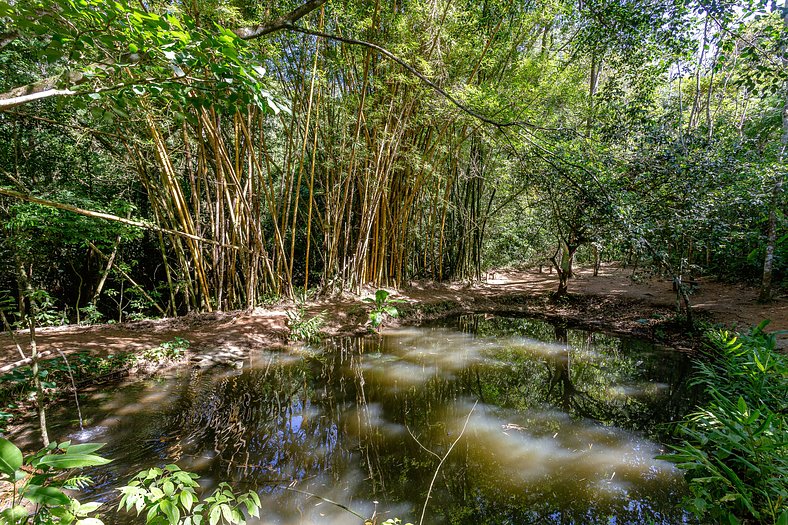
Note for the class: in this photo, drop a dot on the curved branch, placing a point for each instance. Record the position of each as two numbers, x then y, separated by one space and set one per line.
7 38
114 218
248 33
391 56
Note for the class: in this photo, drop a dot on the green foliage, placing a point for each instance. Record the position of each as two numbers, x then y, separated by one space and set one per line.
49 227
735 448
43 310
165 352
169 497
169 55
632 132
54 372
305 328
16 385
37 491
90 315
382 308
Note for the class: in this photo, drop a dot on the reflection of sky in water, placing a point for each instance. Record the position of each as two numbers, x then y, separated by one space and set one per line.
556 436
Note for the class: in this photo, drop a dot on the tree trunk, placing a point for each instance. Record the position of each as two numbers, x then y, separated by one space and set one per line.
564 266
42 415
765 294
105 272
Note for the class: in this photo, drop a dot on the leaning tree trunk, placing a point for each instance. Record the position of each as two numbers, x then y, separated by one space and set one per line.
42 415
564 266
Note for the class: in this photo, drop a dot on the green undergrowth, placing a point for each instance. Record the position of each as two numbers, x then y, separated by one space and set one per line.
304 327
734 448
42 489
16 386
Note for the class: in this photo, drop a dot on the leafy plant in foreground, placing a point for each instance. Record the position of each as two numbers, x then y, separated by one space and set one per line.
37 497
167 351
304 328
169 496
735 448
382 308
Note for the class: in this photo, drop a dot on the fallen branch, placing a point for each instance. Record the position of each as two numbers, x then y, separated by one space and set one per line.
443 459
22 362
114 218
129 279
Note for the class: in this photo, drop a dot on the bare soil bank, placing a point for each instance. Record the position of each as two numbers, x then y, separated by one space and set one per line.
611 301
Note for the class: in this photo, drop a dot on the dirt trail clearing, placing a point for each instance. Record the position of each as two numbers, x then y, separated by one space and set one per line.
611 301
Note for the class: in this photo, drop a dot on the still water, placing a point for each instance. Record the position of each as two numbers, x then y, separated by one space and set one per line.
551 425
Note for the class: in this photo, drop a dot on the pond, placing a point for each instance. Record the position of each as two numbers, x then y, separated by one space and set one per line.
547 425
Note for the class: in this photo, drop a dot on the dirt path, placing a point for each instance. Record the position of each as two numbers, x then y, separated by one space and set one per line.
611 301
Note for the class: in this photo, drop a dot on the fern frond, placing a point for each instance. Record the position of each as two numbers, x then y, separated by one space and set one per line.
78 482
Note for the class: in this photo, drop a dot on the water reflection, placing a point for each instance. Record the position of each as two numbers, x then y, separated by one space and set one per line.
559 434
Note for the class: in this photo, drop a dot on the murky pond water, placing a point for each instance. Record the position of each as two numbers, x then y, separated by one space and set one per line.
554 426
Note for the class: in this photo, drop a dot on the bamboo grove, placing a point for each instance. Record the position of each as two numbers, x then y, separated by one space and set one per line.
367 177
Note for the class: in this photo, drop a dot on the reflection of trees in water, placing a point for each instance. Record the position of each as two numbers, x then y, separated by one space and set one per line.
263 423
615 381
481 498
337 413
559 377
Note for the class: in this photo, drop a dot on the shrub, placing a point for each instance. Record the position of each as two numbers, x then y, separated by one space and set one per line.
165 352
734 450
168 496
304 328
37 491
382 308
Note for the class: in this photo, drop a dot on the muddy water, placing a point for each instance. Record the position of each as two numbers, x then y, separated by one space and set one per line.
549 425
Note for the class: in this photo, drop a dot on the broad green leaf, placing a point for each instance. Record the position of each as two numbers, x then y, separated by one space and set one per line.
381 296
171 511
13 515
50 496
186 500
153 511
66 461
227 512
87 508
215 516
85 448
10 457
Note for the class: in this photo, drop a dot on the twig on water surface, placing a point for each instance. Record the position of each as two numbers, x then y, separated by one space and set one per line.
341 506
419 443
435 476
73 385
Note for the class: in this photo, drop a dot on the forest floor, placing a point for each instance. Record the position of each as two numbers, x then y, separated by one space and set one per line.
610 302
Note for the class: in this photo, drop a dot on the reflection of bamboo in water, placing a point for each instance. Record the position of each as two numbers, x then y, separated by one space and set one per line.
186 403
234 411
367 432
